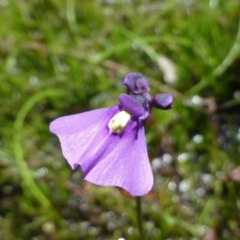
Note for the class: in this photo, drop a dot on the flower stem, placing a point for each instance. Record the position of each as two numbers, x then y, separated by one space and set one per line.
139 217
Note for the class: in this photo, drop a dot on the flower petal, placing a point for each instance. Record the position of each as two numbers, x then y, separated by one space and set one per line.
106 159
120 160
136 83
162 101
131 105
76 132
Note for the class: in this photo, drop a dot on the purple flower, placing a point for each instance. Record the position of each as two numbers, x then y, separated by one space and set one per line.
109 144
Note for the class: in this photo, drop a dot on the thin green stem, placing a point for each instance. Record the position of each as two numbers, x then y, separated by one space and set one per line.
28 182
71 16
232 55
221 68
139 217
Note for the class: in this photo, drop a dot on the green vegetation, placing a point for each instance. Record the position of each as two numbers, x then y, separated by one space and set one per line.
64 57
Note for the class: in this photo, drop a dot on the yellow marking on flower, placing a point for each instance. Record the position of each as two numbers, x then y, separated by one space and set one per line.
118 122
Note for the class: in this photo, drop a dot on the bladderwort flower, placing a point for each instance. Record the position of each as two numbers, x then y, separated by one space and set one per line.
109 144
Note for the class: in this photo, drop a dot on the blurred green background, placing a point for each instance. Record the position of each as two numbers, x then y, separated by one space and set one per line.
64 57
